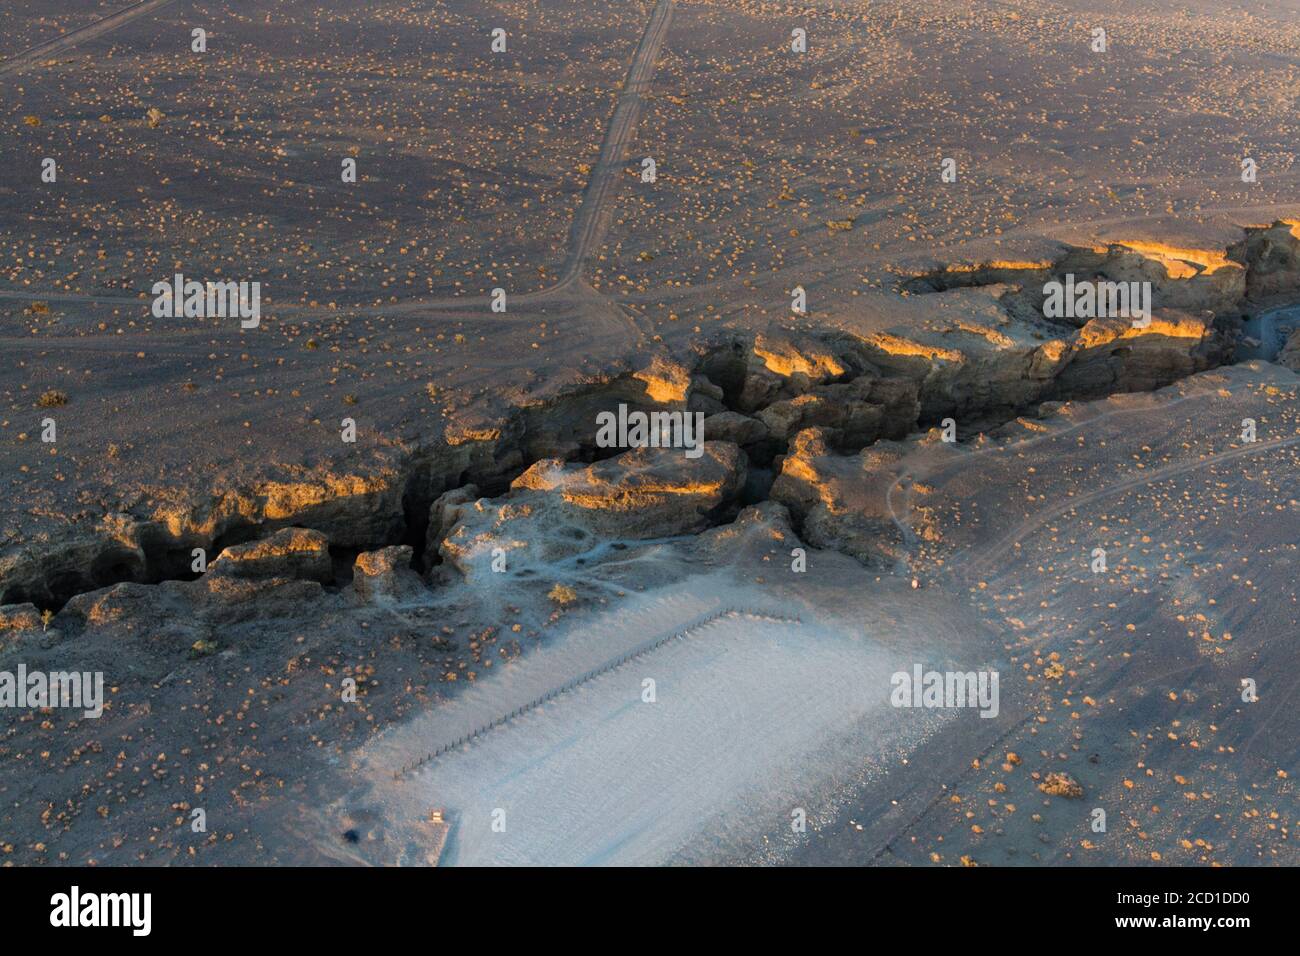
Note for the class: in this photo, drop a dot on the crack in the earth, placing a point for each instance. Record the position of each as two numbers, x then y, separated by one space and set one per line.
533 435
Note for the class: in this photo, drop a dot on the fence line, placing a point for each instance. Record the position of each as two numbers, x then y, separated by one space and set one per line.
588 676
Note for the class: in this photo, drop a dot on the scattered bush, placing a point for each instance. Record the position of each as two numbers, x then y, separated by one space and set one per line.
1061 785
562 594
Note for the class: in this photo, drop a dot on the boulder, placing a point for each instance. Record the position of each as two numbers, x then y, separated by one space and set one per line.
19 617
19 622
384 576
735 428
289 553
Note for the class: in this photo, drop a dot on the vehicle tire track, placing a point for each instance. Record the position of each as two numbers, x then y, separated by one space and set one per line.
980 561
589 223
33 55
585 231
904 527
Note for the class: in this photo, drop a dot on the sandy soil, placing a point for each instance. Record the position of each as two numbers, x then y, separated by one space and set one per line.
1145 709
522 170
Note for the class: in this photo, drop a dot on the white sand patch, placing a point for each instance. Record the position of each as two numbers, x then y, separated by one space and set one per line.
753 717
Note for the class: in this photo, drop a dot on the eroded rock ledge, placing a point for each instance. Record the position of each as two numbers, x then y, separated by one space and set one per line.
779 406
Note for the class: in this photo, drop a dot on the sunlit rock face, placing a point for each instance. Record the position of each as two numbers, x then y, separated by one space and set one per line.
556 508
385 576
1272 255
290 552
840 501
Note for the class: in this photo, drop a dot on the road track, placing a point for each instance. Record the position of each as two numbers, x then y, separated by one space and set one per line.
591 219
985 558
586 231
905 528
66 41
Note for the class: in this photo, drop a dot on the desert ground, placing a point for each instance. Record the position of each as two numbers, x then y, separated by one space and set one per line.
475 635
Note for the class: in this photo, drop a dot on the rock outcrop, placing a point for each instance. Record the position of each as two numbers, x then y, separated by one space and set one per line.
841 501
298 553
385 576
1290 354
19 617
986 354
556 509
18 621
1272 258
1111 355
